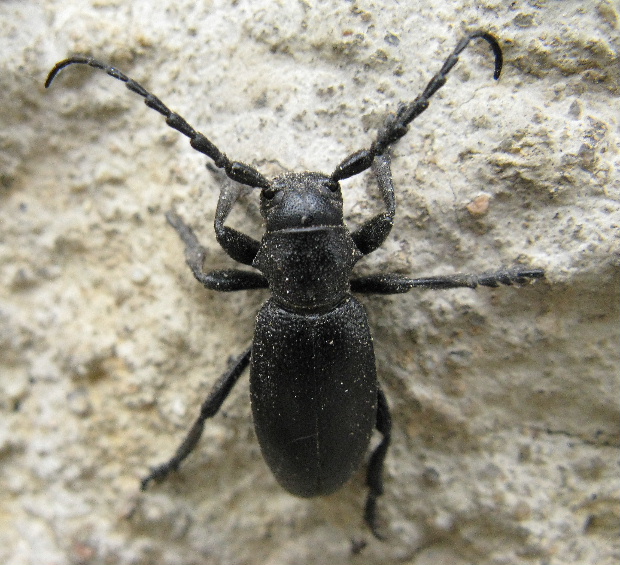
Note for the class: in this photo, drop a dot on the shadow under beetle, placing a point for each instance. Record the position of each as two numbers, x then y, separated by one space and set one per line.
313 383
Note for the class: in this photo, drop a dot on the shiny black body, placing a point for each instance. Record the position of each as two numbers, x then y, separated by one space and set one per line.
312 378
315 396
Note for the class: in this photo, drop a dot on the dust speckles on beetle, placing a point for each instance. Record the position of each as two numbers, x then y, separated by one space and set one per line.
315 395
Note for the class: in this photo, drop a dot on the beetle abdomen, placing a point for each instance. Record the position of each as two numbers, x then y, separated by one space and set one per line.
314 394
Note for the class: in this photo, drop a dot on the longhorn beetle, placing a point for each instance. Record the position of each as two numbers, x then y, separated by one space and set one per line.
313 383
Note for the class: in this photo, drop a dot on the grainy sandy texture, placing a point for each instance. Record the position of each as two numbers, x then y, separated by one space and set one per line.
505 401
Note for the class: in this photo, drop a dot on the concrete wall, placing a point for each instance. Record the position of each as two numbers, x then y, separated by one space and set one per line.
504 401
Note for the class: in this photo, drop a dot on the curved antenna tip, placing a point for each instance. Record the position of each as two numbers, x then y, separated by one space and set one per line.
78 59
497 50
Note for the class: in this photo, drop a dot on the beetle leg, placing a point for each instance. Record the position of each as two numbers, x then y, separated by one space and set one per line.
393 283
372 233
209 408
374 474
226 280
239 246
235 170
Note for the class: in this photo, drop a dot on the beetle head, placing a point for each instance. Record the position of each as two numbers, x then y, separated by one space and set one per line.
301 200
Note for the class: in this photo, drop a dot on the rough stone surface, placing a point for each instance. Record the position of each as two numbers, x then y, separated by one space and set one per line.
504 401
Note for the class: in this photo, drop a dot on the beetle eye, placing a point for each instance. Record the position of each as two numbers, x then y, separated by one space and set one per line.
333 185
269 192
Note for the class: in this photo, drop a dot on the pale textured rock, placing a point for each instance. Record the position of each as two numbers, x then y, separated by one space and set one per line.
505 402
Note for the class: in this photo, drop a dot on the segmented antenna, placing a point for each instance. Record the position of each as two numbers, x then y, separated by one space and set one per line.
235 170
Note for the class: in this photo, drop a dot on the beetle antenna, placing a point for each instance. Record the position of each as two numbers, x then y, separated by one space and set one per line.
397 124
237 171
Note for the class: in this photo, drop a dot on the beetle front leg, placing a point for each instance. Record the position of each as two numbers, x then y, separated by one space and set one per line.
372 233
374 474
239 246
225 280
209 408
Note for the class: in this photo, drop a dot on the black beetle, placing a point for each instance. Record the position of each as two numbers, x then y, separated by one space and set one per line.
315 395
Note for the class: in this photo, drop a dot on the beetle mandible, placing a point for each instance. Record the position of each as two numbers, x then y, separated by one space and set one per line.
313 384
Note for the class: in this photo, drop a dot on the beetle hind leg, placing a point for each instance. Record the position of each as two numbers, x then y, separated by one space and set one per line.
209 408
374 474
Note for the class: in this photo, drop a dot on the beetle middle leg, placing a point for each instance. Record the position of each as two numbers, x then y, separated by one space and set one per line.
374 474
226 280
395 283
209 408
